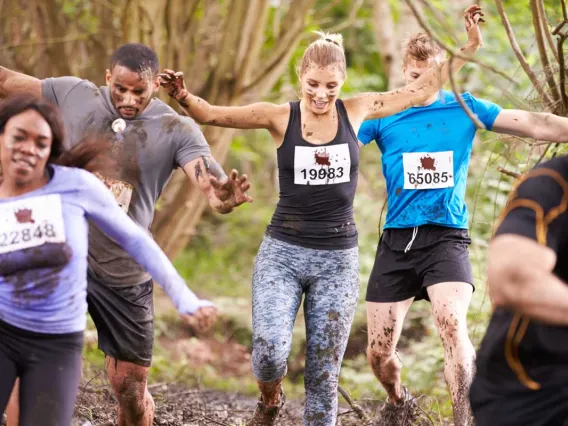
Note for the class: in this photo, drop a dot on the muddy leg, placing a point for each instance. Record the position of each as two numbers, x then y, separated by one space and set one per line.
450 302
329 307
276 298
385 322
128 380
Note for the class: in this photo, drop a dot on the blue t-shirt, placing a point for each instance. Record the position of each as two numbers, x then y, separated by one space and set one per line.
425 158
43 252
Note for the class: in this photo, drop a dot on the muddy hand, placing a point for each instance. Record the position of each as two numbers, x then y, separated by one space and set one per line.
473 16
173 83
201 320
232 191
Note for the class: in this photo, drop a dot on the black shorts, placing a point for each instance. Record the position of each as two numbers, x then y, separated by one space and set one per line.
49 368
492 406
124 317
436 255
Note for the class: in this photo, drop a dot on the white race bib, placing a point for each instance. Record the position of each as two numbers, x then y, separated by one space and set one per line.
326 165
122 191
428 170
31 222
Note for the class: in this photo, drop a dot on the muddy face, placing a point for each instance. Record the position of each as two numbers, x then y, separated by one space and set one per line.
130 91
26 145
321 87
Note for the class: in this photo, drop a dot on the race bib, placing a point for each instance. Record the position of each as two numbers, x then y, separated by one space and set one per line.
31 222
322 165
428 170
122 191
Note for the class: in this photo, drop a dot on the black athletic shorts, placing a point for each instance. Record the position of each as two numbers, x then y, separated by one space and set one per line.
124 317
49 368
435 255
492 406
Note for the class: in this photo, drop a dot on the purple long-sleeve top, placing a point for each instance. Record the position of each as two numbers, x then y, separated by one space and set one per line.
43 252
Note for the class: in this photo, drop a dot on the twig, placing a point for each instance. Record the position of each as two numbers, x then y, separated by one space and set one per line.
546 30
362 415
448 49
346 23
440 19
467 110
520 57
538 23
508 172
89 382
560 42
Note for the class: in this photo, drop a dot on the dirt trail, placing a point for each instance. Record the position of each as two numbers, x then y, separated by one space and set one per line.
179 406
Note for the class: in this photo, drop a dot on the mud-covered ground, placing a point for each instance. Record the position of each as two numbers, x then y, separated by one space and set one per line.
179 406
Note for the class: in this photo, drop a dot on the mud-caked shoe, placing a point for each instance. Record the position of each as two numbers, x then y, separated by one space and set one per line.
266 416
403 413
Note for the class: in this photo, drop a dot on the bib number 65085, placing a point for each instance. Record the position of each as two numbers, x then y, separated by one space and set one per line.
427 178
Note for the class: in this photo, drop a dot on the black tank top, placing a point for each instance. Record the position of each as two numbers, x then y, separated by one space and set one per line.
317 187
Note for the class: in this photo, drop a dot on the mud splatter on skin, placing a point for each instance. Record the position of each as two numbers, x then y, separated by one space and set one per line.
198 171
460 397
270 392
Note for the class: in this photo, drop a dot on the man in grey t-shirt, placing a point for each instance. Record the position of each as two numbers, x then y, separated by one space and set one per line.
148 140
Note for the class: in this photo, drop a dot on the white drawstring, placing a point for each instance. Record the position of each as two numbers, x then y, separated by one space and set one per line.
414 233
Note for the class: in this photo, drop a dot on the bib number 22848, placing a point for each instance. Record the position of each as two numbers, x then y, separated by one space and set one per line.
31 222
325 165
428 170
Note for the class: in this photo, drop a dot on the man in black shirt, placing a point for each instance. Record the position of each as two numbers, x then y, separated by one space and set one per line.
522 365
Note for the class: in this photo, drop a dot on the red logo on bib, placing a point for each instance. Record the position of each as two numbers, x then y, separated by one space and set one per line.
24 216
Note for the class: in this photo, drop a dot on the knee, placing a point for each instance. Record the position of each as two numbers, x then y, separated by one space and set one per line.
269 360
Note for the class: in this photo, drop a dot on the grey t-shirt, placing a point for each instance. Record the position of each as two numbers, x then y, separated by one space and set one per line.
147 151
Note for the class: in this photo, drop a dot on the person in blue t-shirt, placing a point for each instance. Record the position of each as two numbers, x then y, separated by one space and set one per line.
423 251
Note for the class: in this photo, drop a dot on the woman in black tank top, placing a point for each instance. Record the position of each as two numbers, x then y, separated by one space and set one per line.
318 158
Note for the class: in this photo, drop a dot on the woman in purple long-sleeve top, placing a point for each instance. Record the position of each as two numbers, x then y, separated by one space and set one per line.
44 208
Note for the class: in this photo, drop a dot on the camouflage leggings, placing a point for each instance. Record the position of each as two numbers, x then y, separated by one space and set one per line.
330 280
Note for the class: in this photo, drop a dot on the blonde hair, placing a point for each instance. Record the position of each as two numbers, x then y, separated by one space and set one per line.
421 48
326 50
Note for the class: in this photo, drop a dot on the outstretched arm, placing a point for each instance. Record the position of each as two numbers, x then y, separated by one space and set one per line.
377 105
224 193
537 125
13 83
103 210
261 115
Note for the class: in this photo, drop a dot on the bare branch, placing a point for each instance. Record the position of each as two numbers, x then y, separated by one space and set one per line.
350 19
467 110
520 57
508 172
546 29
441 19
451 51
539 23
561 62
564 10
356 407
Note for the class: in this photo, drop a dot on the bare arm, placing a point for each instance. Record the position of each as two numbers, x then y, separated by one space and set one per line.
536 125
519 276
223 193
12 83
377 105
261 115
